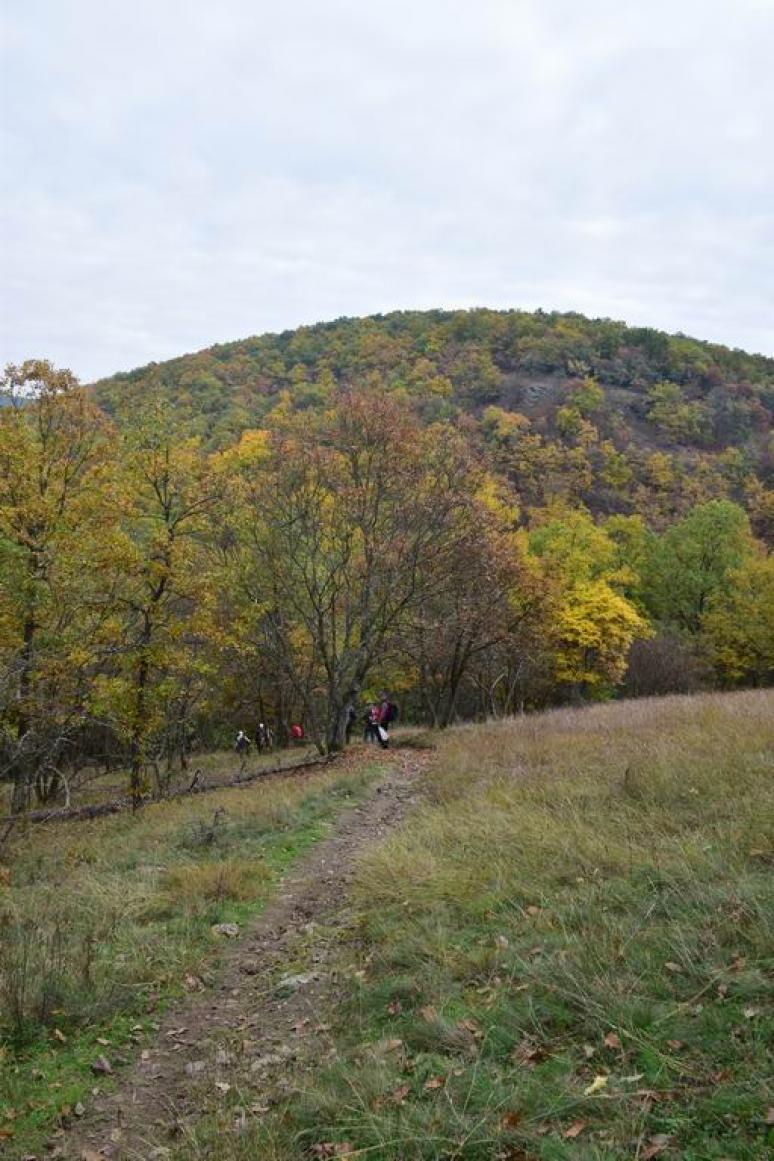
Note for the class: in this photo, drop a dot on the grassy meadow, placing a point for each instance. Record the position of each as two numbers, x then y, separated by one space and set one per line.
103 923
567 953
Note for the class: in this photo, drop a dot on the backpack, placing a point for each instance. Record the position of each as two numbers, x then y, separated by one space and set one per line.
392 712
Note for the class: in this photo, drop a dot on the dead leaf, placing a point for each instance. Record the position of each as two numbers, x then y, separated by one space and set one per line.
59 1035
575 1130
101 1040
90 1155
393 1045
435 1082
532 910
101 1065
612 1040
770 1116
657 1145
395 1007
673 967
5 1134
529 1053
510 1120
399 1095
675 1045
222 1086
597 1084
588 1051
750 1013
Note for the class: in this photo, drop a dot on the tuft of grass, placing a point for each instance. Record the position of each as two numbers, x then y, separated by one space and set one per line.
194 888
570 949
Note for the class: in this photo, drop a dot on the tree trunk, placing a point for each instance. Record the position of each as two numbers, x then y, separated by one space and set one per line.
23 773
137 747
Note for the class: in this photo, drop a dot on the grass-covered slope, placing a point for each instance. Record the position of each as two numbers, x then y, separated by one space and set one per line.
104 923
567 954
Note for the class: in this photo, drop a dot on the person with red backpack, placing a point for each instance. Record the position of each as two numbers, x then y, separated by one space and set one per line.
388 713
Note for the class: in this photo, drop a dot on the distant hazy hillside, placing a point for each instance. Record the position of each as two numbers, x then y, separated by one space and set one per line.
620 418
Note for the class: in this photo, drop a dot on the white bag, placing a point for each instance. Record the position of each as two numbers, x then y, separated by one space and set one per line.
383 735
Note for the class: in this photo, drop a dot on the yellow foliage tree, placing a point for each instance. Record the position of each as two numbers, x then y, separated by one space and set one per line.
739 624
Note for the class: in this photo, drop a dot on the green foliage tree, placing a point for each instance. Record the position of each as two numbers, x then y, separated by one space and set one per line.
692 562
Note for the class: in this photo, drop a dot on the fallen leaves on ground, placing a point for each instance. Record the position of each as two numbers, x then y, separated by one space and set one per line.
575 1130
510 1120
655 1146
597 1084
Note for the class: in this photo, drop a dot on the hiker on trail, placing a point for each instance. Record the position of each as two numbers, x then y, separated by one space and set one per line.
388 713
242 743
297 732
263 738
371 722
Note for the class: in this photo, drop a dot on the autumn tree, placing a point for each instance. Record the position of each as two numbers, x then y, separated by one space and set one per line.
593 622
52 451
161 590
739 624
471 601
343 515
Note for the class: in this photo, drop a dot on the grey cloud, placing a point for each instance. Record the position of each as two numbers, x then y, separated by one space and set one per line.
182 173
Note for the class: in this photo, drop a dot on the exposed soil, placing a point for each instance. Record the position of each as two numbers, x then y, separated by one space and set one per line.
265 1010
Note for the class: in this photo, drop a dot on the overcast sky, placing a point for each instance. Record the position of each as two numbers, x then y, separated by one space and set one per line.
182 172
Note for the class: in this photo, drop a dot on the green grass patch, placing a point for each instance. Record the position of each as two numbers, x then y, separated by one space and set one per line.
568 953
104 923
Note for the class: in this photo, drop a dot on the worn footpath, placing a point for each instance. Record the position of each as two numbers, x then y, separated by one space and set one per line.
275 982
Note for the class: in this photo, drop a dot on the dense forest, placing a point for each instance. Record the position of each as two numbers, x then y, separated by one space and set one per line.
479 511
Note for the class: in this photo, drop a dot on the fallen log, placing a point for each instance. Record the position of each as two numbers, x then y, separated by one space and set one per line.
197 786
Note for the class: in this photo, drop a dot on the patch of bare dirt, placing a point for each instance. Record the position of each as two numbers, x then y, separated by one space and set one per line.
265 1010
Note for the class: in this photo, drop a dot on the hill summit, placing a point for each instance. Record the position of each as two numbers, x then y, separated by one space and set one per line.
619 418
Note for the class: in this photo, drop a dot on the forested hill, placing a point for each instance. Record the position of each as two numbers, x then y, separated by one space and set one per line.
478 511
619 418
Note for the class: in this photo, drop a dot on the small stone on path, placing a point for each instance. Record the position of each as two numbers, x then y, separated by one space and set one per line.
229 930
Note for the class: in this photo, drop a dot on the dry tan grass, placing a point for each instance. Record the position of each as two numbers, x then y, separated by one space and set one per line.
191 886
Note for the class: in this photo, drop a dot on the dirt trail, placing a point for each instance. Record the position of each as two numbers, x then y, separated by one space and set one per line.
265 1009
